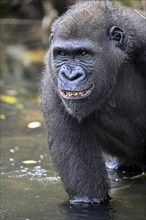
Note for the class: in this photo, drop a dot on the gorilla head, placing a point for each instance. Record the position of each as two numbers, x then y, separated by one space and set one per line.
86 55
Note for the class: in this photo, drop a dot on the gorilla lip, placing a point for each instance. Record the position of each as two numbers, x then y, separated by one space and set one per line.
76 94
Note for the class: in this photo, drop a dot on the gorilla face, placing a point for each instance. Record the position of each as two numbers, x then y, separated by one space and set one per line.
85 69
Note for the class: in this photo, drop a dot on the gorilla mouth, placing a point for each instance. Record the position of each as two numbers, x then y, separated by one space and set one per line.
76 94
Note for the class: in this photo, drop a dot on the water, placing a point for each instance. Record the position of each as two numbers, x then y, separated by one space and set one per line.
30 186
33 191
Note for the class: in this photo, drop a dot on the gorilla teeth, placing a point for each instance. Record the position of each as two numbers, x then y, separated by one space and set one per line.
69 94
76 94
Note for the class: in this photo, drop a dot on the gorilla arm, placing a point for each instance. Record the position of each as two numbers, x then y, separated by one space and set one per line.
75 151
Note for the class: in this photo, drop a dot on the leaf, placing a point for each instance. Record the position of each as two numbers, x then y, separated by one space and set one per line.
36 56
2 116
8 99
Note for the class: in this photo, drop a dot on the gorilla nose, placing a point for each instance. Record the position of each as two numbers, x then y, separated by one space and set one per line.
77 74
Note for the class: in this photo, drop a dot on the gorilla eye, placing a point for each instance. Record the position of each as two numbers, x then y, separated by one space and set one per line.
83 53
61 53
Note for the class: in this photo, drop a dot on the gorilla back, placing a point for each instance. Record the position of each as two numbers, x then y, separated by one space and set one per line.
94 95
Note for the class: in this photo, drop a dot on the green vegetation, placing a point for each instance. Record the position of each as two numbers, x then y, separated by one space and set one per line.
130 3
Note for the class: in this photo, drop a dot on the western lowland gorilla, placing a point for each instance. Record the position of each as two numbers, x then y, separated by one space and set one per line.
94 95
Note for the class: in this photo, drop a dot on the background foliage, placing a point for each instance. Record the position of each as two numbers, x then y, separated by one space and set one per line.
37 9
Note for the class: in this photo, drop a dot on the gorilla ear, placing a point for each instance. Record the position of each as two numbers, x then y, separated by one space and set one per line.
118 35
51 38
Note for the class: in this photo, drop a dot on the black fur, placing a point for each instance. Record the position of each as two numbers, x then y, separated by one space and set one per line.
99 47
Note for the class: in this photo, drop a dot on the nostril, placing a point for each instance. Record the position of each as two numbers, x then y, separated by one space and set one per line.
77 76
78 73
64 73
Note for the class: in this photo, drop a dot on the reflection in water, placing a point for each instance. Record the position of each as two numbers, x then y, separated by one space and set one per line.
30 187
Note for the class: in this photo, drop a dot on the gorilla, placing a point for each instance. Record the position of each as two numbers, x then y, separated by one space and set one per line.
94 95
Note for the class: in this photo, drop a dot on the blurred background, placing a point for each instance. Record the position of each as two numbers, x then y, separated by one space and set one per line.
30 187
